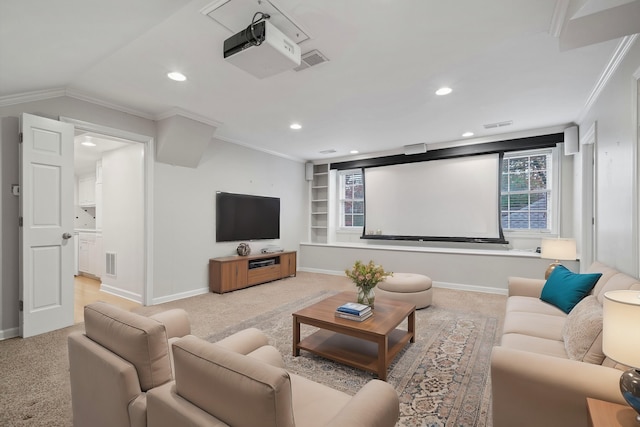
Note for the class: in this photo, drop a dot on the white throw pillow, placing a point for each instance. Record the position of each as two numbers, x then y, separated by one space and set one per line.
582 331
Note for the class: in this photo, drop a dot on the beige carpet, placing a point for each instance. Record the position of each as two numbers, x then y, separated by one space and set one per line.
34 385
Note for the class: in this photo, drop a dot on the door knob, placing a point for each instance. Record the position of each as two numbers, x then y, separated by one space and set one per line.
67 236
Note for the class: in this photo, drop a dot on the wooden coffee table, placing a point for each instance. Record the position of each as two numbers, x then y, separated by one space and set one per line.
370 345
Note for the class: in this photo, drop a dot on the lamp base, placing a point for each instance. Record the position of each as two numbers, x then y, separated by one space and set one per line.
551 267
630 388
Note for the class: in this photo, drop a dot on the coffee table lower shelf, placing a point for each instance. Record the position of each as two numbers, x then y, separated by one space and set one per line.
355 352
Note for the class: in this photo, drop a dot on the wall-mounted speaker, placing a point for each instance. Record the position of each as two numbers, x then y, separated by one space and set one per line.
308 171
571 141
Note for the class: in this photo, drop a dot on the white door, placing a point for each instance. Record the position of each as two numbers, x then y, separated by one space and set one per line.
46 235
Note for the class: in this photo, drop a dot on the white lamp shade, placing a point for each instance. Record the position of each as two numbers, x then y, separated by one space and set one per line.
621 327
560 249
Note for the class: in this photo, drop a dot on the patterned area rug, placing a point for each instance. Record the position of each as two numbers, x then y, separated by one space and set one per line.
442 379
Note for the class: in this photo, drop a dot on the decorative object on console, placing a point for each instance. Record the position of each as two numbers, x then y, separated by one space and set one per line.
366 277
565 289
558 250
621 340
243 249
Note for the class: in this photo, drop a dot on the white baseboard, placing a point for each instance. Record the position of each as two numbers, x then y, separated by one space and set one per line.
470 288
9 333
457 286
181 295
318 270
131 296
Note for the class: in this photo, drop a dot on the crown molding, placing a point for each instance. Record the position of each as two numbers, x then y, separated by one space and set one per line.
188 114
616 59
81 96
256 148
38 95
41 95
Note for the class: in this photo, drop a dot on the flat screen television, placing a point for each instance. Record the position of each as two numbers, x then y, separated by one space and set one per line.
246 217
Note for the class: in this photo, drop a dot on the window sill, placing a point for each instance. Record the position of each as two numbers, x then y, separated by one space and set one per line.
344 230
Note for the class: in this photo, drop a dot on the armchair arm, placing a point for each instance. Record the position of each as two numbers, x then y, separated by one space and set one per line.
525 287
175 321
531 389
244 341
375 405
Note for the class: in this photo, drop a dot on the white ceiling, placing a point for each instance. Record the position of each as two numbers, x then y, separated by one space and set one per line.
502 58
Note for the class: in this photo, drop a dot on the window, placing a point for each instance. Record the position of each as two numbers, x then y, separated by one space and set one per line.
526 196
351 199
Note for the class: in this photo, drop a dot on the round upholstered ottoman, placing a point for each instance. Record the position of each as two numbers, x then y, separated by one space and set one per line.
409 287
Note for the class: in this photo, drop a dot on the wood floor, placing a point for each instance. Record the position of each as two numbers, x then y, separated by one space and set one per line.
87 290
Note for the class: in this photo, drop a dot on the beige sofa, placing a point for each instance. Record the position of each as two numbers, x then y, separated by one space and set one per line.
218 387
549 362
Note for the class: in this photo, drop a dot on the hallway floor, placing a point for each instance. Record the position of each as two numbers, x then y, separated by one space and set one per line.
87 290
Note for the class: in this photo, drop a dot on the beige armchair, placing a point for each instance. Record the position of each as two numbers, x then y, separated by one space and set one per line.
117 360
215 386
123 355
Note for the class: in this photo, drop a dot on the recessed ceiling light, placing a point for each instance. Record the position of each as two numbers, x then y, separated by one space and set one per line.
354 151
295 126
179 77
467 134
444 91
87 142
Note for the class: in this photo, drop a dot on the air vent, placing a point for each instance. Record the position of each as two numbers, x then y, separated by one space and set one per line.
498 125
329 151
311 59
110 264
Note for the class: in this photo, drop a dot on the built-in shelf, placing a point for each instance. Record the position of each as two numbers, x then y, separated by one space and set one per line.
319 203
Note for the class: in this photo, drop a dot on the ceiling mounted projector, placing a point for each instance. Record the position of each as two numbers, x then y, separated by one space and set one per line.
262 50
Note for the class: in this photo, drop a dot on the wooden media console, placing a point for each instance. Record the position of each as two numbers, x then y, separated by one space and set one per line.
236 272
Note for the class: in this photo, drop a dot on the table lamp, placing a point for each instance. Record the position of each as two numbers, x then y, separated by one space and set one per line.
557 249
621 340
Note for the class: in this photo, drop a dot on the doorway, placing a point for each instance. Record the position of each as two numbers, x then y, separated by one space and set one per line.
94 279
126 289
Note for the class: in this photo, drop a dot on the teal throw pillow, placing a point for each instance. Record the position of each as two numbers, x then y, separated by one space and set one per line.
565 289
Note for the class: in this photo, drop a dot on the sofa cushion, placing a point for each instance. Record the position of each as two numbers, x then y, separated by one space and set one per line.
582 332
237 389
534 324
616 282
565 289
607 273
139 340
534 345
315 404
532 305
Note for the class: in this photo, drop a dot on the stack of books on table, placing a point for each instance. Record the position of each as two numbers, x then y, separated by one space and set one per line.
354 311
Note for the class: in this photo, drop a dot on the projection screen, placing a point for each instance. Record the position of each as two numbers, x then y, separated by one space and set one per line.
450 198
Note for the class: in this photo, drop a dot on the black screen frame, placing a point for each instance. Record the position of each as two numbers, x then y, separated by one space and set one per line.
246 217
